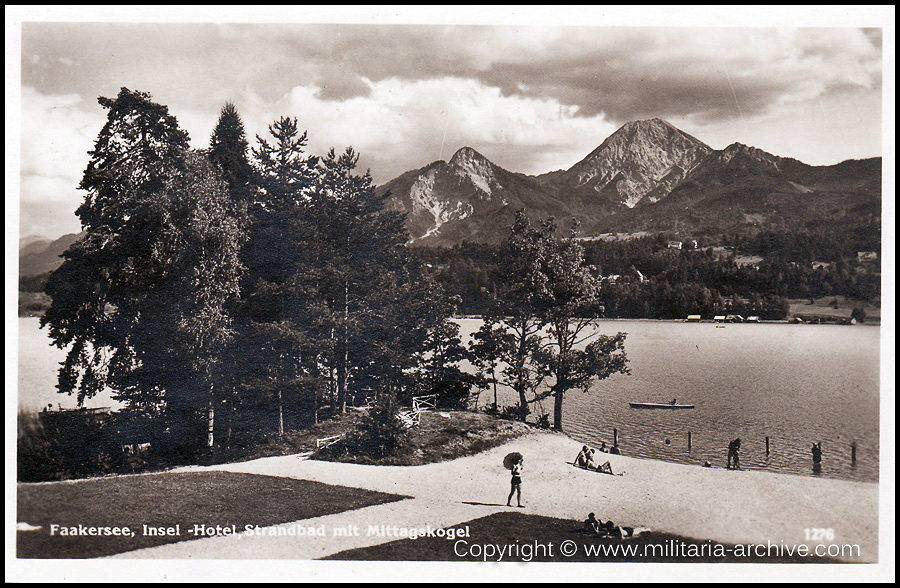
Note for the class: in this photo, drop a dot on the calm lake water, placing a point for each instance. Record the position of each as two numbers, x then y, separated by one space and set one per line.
38 365
796 384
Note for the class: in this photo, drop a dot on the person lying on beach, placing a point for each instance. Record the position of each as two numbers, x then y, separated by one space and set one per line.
609 529
606 468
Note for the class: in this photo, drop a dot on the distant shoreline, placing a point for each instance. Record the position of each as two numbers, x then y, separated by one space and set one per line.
873 323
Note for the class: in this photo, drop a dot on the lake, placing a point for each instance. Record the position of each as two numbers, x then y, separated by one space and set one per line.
796 384
38 365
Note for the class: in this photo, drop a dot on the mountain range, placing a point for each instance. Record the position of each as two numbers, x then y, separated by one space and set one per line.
647 176
38 255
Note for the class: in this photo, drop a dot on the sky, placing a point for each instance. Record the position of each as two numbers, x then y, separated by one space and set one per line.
534 94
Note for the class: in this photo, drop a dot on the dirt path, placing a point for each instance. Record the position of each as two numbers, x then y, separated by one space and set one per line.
733 507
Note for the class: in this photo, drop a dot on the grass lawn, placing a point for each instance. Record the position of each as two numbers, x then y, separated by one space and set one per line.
527 531
826 308
169 499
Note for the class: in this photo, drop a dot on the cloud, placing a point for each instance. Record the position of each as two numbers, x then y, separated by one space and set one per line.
57 132
624 73
530 98
438 116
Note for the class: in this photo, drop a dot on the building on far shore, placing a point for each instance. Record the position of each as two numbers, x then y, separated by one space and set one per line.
719 318
674 244
693 318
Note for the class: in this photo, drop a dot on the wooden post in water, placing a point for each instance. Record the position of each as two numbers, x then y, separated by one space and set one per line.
853 453
615 436
689 439
767 446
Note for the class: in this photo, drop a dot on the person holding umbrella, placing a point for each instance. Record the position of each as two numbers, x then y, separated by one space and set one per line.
514 463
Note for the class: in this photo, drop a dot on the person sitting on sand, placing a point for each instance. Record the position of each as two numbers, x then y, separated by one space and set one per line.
603 447
583 457
592 525
615 449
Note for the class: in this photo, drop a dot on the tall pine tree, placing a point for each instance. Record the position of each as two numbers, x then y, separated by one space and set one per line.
228 150
140 299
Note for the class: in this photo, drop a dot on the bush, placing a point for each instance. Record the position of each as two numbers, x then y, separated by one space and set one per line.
57 445
509 413
35 460
380 434
859 314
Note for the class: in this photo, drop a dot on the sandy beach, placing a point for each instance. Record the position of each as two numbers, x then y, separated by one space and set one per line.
736 507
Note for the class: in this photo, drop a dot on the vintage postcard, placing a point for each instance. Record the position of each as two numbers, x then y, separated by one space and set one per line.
386 293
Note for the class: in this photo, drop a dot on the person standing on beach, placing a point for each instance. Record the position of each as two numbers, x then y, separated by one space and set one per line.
516 483
734 460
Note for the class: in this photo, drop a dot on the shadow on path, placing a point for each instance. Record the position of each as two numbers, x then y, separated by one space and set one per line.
481 503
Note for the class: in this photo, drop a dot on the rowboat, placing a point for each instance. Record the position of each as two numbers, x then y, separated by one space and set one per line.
659 405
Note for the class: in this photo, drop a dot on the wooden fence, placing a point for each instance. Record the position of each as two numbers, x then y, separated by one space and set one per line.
421 403
326 441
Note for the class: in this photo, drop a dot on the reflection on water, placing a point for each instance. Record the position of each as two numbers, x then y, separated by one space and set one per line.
793 384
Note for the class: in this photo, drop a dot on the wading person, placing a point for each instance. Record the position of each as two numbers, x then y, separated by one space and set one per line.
734 459
516 483
817 453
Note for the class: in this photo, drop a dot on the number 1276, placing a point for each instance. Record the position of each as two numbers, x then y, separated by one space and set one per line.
816 534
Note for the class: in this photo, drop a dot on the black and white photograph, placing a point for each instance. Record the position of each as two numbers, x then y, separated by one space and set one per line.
390 293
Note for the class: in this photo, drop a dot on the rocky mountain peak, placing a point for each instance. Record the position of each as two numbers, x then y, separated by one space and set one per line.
646 174
738 154
641 157
475 167
466 154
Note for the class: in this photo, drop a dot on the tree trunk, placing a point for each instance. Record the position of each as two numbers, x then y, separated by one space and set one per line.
494 378
520 366
562 372
345 359
280 415
211 421
557 409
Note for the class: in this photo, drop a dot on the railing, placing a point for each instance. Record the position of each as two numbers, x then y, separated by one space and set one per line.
410 418
326 441
421 403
